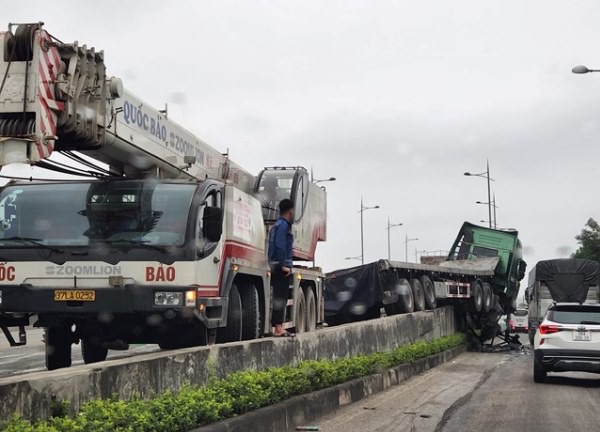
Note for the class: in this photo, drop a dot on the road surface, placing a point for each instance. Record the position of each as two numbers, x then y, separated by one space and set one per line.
30 357
477 392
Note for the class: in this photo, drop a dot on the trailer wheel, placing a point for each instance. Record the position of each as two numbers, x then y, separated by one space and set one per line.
232 332
300 312
250 312
418 296
406 301
92 350
476 300
429 292
311 310
58 347
487 297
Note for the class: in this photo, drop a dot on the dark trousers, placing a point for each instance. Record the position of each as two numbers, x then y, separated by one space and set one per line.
281 288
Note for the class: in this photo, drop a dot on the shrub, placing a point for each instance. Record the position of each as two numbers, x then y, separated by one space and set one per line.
233 395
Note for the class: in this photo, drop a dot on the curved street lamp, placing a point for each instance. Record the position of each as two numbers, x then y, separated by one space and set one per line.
485 175
330 179
581 69
389 229
363 208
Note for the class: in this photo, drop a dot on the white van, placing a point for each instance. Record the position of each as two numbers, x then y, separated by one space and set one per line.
518 321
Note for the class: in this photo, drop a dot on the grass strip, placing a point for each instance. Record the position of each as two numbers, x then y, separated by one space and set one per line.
233 395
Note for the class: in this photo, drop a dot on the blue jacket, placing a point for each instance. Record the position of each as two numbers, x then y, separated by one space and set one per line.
281 243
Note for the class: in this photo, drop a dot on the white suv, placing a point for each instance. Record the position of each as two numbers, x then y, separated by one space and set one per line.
568 339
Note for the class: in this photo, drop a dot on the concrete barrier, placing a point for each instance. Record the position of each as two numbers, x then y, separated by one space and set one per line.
145 375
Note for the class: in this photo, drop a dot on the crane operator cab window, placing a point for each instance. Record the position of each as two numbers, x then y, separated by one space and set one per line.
273 187
277 184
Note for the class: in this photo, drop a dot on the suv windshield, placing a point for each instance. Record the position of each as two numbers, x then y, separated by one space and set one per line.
520 312
575 315
119 212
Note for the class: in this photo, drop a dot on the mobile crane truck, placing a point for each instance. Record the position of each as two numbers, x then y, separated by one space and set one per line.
480 277
160 239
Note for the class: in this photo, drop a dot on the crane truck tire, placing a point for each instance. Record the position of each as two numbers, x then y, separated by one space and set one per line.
300 312
250 312
418 295
232 332
58 347
487 297
311 310
406 301
429 292
92 350
476 300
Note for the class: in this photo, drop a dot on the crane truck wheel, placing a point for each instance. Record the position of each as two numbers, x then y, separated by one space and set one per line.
232 332
92 350
429 292
58 347
418 295
487 297
250 312
311 310
300 312
476 300
406 301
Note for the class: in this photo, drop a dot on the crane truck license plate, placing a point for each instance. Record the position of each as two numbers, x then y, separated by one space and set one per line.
75 295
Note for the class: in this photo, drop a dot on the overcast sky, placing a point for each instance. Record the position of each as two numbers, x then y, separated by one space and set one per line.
394 98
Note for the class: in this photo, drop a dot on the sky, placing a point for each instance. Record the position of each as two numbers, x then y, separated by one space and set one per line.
396 99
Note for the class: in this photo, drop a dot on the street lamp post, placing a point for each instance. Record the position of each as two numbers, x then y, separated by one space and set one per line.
581 69
353 258
362 230
486 175
330 179
494 206
406 241
389 228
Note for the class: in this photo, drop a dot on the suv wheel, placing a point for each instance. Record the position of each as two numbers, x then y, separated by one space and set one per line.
539 373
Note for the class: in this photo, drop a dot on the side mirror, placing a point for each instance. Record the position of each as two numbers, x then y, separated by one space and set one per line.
521 269
212 224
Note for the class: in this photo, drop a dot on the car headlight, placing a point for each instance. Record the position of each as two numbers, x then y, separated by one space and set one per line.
166 298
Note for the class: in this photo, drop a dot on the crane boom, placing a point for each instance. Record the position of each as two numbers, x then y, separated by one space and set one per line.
56 97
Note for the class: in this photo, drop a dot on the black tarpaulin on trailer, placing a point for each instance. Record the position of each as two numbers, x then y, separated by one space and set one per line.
352 294
568 280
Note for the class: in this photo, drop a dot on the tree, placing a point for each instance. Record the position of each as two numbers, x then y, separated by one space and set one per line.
589 241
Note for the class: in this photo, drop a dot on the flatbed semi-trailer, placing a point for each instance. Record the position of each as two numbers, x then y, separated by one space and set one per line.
481 275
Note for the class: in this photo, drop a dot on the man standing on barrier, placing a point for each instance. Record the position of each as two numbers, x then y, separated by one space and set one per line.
281 242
